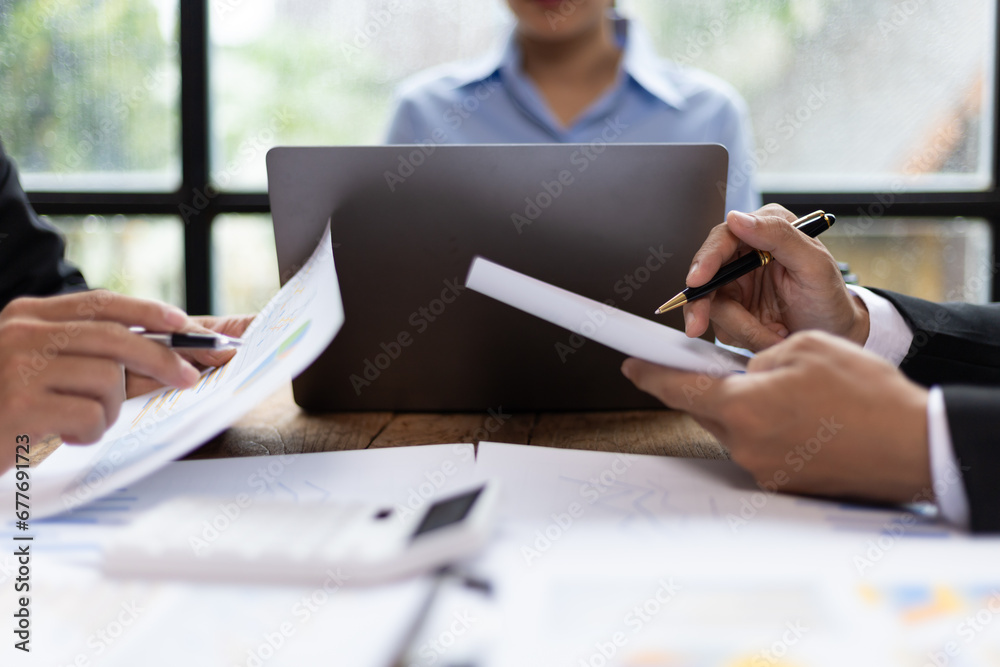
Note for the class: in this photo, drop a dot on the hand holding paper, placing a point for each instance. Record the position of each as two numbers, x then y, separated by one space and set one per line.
156 428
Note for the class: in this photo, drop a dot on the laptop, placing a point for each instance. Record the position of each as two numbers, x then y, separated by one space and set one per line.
616 223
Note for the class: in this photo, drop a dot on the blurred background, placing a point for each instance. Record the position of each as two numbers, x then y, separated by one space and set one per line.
141 126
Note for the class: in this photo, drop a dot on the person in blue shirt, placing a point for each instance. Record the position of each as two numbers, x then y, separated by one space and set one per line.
577 72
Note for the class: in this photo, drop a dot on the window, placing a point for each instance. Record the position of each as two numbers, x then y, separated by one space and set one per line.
139 118
148 252
850 95
91 97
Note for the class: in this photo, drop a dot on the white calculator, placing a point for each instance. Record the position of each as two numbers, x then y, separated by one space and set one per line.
271 541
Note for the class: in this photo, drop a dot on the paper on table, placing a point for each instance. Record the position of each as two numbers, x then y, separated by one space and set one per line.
655 496
625 332
152 430
93 620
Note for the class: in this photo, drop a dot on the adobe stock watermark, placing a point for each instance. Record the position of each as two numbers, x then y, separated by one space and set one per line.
229 511
249 150
814 98
636 619
420 320
434 480
103 639
627 287
41 357
712 33
302 611
364 36
719 368
561 523
893 530
779 649
107 130
928 158
39 20
550 190
898 16
416 155
432 650
966 631
796 459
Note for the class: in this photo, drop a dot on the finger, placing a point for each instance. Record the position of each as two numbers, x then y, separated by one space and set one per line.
89 377
799 347
205 357
789 247
137 385
75 419
723 243
108 340
102 305
735 325
694 392
697 315
719 248
234 326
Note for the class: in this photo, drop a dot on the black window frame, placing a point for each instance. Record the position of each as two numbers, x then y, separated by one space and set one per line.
189 200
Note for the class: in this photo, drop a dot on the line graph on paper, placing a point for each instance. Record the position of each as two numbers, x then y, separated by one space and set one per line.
272 336
268 338
289 333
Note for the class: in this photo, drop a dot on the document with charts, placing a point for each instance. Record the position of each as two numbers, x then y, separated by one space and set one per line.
154 429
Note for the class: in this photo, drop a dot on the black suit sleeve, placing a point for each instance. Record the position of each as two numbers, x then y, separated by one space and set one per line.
953 343
31 252
957 345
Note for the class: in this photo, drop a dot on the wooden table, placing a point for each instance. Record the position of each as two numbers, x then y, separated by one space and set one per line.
279 426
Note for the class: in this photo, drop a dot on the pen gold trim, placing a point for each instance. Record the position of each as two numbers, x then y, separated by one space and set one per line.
764 256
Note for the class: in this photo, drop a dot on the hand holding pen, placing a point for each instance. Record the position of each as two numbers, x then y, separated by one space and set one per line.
811 225
801 288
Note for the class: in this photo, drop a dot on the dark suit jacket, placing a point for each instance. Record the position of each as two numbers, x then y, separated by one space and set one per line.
31 252
957 346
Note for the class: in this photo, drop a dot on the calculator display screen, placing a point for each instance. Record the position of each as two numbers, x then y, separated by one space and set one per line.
446 512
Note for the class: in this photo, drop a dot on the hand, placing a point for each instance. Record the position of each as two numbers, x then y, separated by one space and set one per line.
814 414
137 384
801 289
62 361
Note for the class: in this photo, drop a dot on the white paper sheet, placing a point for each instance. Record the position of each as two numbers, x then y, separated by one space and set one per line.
289 333
83 618
625 332
643 497
793 602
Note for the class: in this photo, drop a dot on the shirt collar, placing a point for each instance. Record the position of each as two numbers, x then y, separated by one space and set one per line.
642 63
639 60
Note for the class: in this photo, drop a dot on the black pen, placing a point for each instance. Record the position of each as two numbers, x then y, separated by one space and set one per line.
196 341
812 225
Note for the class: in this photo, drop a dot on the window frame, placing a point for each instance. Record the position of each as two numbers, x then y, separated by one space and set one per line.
188 201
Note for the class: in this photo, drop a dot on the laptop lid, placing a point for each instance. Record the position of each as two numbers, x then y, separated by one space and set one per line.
616 223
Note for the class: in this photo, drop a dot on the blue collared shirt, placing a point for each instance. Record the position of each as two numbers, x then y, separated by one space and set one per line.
652 101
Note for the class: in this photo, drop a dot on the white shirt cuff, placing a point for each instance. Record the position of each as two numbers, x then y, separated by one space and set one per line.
949 489
889 336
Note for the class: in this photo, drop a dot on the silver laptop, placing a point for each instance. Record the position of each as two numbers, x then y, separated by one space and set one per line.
616 223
